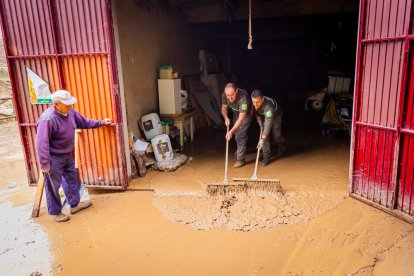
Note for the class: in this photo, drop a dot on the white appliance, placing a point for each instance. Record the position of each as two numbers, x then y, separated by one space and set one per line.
169 94
151 125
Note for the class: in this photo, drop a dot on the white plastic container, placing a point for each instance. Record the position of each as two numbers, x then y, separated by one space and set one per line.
151 125
161 145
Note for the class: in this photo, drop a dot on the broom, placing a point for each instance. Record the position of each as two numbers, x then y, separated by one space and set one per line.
226 188
257 184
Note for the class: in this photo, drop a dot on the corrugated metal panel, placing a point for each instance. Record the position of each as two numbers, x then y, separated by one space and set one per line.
406 179
70 45
81 26
28 113
380 83
382 149
372 178
28 26
88 79
385 18
406 169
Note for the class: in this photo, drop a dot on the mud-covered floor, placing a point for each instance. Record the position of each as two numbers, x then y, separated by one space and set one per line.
313 229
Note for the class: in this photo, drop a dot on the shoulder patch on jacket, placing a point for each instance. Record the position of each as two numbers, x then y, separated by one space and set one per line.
244 106
268 114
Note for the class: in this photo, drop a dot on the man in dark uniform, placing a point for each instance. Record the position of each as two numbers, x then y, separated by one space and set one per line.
239 102
268 109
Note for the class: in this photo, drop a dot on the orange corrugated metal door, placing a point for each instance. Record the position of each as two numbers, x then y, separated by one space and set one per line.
70 45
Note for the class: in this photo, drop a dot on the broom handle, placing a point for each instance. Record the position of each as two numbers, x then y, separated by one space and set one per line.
226 163
254 176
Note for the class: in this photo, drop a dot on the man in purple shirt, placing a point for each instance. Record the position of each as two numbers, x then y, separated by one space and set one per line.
55 139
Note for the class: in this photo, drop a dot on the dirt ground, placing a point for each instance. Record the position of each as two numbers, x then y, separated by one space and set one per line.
320 232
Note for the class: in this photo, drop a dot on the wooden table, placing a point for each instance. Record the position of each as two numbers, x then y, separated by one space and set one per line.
179 121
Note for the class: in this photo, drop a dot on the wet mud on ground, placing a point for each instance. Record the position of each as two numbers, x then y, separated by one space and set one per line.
320 231
24 243
311 188
245 211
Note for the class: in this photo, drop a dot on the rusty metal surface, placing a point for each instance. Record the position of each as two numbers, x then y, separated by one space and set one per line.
70 45
382 143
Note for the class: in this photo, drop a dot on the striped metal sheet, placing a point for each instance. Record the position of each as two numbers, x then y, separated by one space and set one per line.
406 164
382 157
26 112
81 26
70 45
406 177
385 18
87 78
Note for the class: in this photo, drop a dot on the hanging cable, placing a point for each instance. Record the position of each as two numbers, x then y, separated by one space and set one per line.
250 44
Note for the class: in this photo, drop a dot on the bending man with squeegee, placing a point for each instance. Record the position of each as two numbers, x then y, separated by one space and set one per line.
239 103
55 140
268 109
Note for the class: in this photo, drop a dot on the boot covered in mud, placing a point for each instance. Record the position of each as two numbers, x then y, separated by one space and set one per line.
61 217
239 163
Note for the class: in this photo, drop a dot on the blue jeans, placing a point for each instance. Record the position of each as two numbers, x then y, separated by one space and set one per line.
62 172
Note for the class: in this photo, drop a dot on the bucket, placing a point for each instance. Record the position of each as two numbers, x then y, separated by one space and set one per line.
162 148
166 72
151 125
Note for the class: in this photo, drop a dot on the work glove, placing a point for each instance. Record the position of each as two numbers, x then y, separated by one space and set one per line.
260 144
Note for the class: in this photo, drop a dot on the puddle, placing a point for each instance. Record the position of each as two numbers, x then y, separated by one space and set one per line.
24 245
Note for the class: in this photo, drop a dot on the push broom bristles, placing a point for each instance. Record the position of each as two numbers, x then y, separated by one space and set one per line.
226 189
246 185
265 185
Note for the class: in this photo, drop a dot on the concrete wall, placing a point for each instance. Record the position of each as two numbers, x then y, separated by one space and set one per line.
147 40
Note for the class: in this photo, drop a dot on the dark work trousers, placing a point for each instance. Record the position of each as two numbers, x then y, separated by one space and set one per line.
62 172
276 134
240 135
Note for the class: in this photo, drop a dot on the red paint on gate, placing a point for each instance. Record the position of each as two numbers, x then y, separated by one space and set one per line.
382 155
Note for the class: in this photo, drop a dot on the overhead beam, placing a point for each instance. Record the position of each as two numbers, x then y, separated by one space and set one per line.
216 12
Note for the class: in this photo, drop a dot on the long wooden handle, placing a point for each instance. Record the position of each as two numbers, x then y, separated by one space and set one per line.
77 153
227 159
254 176
38 198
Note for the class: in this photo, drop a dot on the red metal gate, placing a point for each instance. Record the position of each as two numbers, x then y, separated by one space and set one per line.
382 153
70 45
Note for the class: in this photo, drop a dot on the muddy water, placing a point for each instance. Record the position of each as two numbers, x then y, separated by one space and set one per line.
245 211
314 181
24 244
130 233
